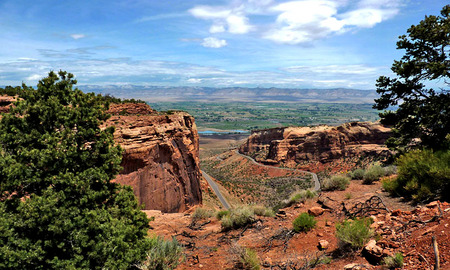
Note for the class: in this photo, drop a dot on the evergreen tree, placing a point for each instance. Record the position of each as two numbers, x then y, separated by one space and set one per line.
423 112
58 207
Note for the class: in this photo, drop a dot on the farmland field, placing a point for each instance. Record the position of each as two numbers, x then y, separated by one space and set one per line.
259 115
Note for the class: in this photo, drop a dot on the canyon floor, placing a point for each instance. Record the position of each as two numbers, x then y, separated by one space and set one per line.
400 227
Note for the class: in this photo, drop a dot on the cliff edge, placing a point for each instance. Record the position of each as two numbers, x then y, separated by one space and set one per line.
160 159
318 145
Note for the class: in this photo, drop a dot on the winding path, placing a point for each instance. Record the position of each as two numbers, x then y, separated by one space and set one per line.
222 198
216 190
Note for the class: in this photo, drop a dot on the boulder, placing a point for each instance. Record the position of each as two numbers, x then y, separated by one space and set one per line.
323 244
316 211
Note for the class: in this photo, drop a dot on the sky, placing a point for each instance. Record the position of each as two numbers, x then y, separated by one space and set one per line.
229 43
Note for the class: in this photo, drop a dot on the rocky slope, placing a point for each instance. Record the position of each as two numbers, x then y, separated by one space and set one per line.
160 159
321 144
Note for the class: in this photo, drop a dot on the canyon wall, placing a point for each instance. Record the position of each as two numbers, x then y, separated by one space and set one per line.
321 144
160 159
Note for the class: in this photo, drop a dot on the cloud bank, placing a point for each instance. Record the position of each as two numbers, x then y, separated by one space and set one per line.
296 22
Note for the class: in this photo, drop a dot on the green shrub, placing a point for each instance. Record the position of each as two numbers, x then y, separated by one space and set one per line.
220 214
201 213
357 174
390 170
304 223
163 255
354 233
227 223
373 173
422 175
336 182
250 260
260 210
238 218
395 261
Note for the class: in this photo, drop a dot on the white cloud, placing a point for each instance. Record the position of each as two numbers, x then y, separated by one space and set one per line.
77 36
216 28
34 77
299 21
194 80
211 42
224 19
335 69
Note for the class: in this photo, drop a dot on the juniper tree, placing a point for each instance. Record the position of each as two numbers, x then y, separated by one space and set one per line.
423 112
58 206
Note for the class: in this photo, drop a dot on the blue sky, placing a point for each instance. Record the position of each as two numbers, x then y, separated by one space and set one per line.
248 43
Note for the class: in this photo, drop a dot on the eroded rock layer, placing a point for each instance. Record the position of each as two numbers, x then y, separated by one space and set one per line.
322 144
160 159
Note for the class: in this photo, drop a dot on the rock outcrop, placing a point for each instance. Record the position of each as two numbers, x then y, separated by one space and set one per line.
6 103
160 159
317 144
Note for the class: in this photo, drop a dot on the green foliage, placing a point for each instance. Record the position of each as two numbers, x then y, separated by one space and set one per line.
163 255
112 99
354 233
373 173
249 259
422 112
58 207
220 214
336 182
238 218
263 211
11 91
202 213
390 170
393 262
357 174
304 223
422 175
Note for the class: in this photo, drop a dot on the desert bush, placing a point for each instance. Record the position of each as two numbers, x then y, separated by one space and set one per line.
246 258
227 223
260 210
238 217
422 175
250 260
357 174
336 182
202 213
393 262
390 170
354 233
220 214
373 173
163 255
304 223
302 195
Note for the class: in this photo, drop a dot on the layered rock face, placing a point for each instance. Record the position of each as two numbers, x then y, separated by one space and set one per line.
317 144
6 103
160 159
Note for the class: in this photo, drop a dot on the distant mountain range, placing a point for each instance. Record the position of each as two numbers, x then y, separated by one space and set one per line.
236 94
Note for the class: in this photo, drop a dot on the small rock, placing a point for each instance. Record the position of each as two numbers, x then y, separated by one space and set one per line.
329 223
374 218
320 234
316 211
267 262
432 204
396 213
355 266
323 244
372 252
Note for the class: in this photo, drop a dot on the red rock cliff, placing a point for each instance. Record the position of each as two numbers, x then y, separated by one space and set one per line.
317 144
160 159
